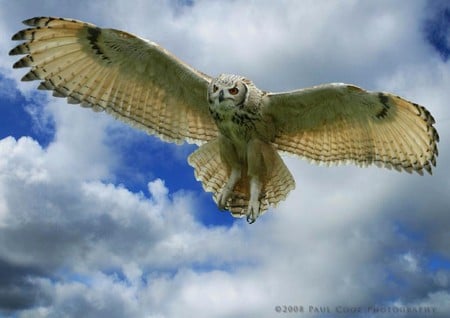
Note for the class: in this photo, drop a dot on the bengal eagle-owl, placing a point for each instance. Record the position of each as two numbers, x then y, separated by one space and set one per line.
240 128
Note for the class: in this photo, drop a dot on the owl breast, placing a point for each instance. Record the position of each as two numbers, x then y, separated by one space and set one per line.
235 124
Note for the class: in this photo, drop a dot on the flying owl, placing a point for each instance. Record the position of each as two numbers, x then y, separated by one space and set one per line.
240 129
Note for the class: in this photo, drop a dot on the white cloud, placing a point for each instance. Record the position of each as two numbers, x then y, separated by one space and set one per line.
90 247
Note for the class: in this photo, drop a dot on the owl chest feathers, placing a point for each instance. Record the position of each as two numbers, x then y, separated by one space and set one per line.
235 122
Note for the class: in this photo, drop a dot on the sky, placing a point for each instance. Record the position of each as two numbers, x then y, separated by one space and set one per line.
98 219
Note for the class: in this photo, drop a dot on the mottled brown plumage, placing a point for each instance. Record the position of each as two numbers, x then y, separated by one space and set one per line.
240 129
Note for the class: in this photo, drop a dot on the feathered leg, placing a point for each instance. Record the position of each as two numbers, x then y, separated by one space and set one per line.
227 191
234 164
253 210
261 158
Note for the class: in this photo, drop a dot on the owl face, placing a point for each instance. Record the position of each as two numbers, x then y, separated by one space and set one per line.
227 91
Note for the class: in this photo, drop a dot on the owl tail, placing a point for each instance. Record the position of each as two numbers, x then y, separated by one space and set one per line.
213 174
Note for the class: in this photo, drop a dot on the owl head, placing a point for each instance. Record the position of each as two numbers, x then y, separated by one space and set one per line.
228 91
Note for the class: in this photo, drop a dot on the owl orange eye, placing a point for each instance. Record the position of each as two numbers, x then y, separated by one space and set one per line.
233 91
215 88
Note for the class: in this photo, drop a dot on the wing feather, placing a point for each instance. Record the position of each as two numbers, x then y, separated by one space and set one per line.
135 80
339 123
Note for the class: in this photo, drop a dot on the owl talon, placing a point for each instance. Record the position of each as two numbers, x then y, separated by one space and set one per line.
250 220
253 212
224 197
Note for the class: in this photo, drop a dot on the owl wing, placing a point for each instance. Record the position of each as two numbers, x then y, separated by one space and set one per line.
109 70
337 123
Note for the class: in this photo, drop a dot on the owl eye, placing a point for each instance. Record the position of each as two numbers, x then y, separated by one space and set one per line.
215 88
233 91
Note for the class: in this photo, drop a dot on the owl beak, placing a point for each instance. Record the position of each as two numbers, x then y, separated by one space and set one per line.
221 96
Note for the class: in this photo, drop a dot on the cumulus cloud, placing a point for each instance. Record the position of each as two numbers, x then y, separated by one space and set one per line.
75 242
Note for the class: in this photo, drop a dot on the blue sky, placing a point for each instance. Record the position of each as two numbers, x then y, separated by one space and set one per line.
99 219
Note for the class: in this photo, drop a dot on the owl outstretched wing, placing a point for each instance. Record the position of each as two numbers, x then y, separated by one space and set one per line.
110 70
338 123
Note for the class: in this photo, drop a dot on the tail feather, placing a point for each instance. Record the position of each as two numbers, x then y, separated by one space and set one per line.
213 173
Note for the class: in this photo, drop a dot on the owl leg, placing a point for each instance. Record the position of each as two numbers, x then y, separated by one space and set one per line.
260 163
231 160
227 191
253 210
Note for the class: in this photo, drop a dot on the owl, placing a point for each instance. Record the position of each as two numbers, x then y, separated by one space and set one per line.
241 129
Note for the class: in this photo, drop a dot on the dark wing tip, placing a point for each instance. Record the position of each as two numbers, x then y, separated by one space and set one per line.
19 49
21 35
31 76
45 21
34 21
18 36
26 61
14 51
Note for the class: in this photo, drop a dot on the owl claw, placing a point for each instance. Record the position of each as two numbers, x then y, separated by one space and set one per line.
223 199
250 220
253 212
